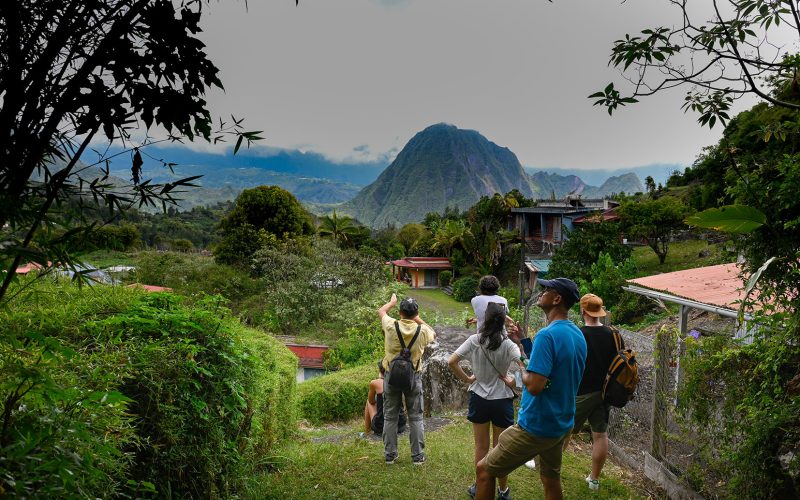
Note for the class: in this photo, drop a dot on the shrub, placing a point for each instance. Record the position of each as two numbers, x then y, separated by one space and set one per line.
337 396
137 393
445 277
182 245
465 288
192 274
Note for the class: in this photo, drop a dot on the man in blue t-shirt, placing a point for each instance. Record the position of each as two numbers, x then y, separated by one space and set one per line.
547 411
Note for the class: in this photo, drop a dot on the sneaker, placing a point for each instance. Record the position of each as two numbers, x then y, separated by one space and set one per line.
391 461
531 464
419 460
594 484
504 495
472 491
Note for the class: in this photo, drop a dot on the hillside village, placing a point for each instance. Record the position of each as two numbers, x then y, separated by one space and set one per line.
167 338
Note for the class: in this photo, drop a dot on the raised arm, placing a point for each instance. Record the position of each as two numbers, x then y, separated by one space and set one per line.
385 308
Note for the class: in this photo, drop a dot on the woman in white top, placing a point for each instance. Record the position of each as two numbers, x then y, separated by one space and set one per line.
488 286
490 353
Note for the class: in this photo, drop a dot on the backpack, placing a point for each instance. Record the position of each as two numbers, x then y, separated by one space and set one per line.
401 369
623 375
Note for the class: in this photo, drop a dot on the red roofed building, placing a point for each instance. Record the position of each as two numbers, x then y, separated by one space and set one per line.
420 272
150 288
718 289
310 360
30 266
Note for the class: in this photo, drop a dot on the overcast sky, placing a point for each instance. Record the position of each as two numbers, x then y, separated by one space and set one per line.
356 79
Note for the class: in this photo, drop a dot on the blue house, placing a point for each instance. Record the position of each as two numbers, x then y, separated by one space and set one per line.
544 227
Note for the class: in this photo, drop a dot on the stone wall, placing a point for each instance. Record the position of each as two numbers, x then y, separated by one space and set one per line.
440 388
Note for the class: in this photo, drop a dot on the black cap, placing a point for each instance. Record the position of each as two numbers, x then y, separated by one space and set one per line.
409 307
565 287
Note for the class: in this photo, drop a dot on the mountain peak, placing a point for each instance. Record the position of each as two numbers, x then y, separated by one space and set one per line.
440 166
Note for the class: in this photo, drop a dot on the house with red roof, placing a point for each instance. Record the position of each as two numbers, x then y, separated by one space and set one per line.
420 272
311 360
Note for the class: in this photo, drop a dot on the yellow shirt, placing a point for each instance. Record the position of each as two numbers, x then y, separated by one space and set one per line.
408 327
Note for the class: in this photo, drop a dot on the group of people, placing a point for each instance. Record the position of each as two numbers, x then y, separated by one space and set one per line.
562 372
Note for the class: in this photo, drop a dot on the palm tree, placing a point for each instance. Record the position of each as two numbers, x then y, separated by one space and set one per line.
339 228
451 234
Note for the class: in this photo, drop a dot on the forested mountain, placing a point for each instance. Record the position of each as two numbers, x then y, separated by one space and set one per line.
440 166
445 166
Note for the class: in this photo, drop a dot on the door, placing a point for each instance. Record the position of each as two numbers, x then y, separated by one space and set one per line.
431 277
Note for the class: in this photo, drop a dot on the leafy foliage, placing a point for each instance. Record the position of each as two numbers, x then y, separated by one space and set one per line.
340 228
654 221
119 394
70 72
606 280
465 288
337 396
743 400
575 256
326 283
720 59
261 215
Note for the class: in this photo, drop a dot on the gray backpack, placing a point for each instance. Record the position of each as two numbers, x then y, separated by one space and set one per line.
401 369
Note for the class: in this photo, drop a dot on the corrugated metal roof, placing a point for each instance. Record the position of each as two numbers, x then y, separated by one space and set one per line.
719 285
541 264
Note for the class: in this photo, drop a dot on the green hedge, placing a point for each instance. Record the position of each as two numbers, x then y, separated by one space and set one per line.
125 394
337 396
465 288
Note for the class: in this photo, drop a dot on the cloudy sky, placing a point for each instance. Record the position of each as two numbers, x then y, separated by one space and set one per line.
356 79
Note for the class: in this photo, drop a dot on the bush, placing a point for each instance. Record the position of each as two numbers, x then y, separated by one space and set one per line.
296 280
445 277
465 288
337 396
113 237
138 393
182 245
193 274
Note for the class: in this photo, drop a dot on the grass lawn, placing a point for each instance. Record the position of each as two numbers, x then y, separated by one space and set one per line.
680 255
435 303
354 468
108 258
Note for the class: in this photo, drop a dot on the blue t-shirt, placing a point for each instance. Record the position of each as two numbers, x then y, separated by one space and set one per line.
559 353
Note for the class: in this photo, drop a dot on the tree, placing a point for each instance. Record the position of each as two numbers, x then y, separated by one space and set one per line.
451 235
748 422
71 72
584 244
261 215
654 221
720 59
414 236
650 185
340 228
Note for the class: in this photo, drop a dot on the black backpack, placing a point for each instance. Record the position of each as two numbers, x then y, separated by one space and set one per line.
401 369
623 375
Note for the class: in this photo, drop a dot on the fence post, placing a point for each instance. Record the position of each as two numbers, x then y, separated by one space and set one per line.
661 357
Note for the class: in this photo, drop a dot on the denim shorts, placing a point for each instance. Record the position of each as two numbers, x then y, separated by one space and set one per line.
500 412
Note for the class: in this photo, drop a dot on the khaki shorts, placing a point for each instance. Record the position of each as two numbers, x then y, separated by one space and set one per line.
591 406
516 446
